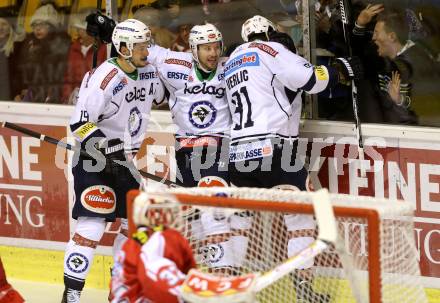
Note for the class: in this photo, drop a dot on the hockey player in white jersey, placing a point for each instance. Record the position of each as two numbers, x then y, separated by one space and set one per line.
264 83
198 105
110 117
200 110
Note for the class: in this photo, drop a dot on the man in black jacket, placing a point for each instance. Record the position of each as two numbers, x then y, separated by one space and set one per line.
402 81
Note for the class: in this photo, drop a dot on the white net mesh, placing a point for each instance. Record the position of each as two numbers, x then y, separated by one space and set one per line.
235 241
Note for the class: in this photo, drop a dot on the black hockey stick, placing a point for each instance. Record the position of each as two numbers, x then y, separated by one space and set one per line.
345 17
96 42
75 149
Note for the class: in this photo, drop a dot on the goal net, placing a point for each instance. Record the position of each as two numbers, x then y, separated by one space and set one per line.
374 260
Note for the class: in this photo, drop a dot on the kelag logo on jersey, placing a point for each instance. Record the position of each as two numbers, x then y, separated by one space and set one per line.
202 114
243 60
120 86
205 89
134 121
137 94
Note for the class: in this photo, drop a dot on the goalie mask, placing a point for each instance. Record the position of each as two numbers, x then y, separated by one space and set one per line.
202 34
155 211
130 31
256 25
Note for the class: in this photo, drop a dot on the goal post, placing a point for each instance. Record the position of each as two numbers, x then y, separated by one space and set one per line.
374 260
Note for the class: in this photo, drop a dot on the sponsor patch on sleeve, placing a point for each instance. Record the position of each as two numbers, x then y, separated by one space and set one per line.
85 130
178 62
265 48
321 73
107 78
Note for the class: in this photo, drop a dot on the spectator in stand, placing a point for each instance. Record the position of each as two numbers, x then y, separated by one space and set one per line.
151 17
334 103
39 61
407 67
170 13
7 38
80 57
181 44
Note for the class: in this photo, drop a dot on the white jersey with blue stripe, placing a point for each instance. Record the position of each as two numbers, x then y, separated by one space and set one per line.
198 107
264 83
116 104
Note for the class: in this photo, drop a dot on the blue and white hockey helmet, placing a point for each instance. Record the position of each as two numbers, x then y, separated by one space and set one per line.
202 34
130 31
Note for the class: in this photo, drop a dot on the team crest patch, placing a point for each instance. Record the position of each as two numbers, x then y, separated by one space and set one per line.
134 121
77 263
100 199
202 114
212 253
108 78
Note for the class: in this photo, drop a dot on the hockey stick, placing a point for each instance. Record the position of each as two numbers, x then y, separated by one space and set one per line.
345 17
96 42
207 288
83 153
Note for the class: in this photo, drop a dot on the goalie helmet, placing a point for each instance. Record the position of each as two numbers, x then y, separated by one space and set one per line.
256 25
130 31
155 211
202 34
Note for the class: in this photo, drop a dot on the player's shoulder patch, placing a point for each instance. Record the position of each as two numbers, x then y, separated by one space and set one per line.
178 62
108 78
264 47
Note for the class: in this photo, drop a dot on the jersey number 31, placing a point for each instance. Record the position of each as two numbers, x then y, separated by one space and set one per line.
237 101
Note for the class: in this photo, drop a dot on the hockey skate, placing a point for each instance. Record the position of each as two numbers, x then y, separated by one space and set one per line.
71 296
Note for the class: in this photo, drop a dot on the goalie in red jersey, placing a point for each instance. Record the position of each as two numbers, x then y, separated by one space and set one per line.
151 267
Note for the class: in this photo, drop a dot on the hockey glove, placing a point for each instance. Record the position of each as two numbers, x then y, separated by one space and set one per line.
115 159
283 39
349 68
100 26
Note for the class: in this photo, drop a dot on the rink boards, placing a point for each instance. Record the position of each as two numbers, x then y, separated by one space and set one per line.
36 195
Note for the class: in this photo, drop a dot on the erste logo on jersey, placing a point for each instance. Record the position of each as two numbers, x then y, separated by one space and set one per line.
147 75
177 76
202 114
243 60
134 121
120 86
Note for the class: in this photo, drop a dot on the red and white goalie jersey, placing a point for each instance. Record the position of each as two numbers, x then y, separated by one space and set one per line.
152 272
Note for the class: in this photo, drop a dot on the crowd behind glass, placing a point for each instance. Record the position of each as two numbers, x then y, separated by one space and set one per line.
45 49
